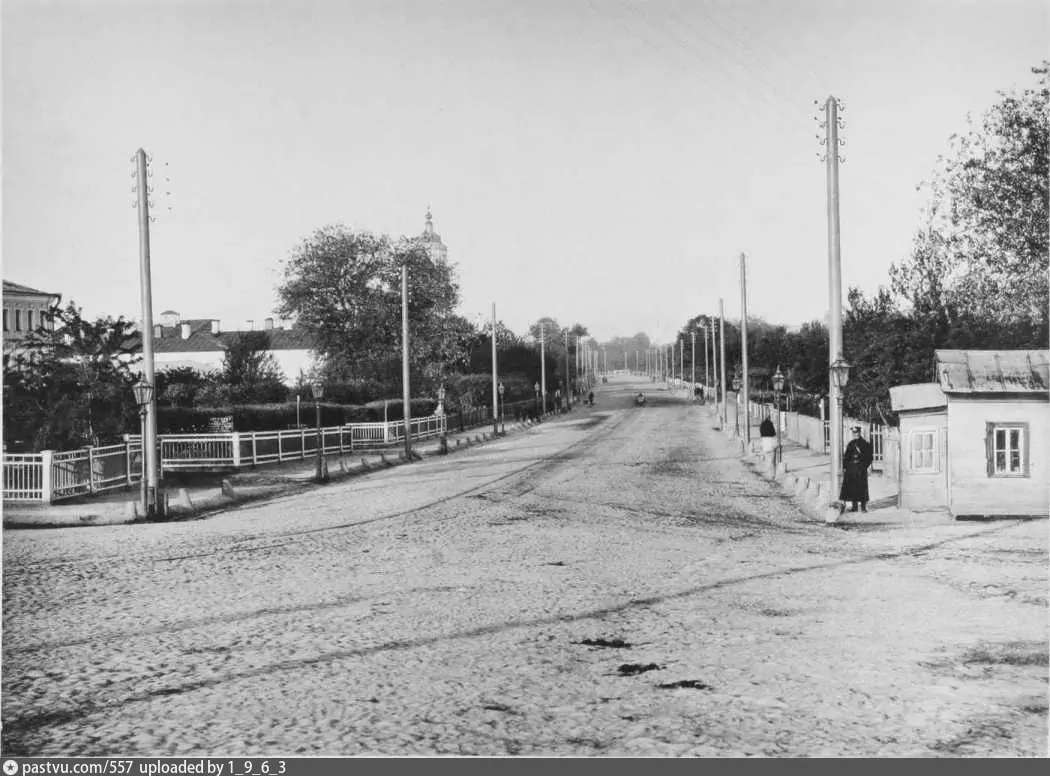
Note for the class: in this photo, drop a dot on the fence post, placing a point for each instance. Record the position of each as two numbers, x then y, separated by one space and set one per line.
302 443
91 469
46 480
127 460
254 450
235 440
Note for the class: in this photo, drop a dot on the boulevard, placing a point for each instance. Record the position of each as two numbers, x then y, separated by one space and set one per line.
612 582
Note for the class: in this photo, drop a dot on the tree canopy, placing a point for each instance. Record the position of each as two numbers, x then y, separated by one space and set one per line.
983 249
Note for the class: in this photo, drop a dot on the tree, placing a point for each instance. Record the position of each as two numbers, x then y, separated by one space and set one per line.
71 387
344 287
250 372
983 250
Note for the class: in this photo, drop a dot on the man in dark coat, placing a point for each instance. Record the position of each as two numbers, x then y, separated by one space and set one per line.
856 459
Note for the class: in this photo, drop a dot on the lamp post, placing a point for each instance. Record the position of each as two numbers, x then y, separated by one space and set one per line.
321 475
736 415
495 371
778 386
143 396
503 426
839 378
440 412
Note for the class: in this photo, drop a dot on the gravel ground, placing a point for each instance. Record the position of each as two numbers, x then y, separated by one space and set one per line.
615 583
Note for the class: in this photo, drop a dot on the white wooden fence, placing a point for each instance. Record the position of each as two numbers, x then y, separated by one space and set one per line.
52 476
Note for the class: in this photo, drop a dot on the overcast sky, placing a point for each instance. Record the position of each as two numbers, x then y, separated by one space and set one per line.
596 161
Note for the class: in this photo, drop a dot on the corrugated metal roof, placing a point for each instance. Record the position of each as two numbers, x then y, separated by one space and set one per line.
916 396
993 371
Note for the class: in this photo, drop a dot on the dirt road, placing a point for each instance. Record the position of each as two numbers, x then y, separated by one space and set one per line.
615 583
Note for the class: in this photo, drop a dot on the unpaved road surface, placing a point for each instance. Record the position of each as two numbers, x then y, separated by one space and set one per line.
615 583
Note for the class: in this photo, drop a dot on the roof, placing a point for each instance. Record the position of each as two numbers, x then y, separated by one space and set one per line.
993 371
917 396
201 340
19 289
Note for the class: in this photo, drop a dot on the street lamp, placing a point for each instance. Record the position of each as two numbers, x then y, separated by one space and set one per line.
143 396
440 413
839 377
321 475
778 386
503 427
736 415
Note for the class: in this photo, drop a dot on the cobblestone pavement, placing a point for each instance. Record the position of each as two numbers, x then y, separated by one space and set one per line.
616 583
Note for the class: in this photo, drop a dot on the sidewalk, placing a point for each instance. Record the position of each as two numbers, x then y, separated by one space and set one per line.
806 475
192 496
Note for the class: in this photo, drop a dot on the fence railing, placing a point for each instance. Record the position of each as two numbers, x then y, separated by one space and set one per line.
53 476
815 433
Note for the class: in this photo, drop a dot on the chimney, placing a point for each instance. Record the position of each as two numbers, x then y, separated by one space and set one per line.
185 330
158 331
214 327
251 324
269 324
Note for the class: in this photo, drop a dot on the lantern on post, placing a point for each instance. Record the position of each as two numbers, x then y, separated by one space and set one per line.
778 386
321 474
502 425
840 377
143 396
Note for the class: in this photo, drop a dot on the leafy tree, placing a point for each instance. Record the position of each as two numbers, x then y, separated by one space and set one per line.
983 250
344 287
180 386
250 372
71 387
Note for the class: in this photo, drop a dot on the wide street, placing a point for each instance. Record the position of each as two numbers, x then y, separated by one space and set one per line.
615 582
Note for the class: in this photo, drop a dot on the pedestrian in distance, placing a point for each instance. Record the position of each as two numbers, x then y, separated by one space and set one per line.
856 459
590 398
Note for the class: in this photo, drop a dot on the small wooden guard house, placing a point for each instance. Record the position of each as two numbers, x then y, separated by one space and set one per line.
977 442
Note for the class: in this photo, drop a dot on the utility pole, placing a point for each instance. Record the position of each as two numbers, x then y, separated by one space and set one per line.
543 372
149 435
681 357
831 157
692 359
745 385
722 339
495 377
405 391
707 362
568 400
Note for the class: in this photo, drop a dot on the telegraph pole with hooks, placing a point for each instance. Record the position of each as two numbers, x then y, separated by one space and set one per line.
143 202
832 123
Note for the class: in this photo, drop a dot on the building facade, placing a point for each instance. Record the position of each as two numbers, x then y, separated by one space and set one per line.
201 343
977 442
26 309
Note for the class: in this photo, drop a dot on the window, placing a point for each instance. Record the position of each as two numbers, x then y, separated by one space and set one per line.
1007 449
18 320
29 320
923 451
5 320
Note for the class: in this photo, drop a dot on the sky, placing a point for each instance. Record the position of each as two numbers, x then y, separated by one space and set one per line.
595 161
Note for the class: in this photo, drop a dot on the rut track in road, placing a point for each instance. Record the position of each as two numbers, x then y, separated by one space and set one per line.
602 429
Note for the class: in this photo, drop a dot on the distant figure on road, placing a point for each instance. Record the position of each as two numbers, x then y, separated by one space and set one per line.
767 429
590 398
856 459
698 392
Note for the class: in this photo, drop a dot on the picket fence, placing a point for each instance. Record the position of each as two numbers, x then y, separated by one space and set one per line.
51 476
